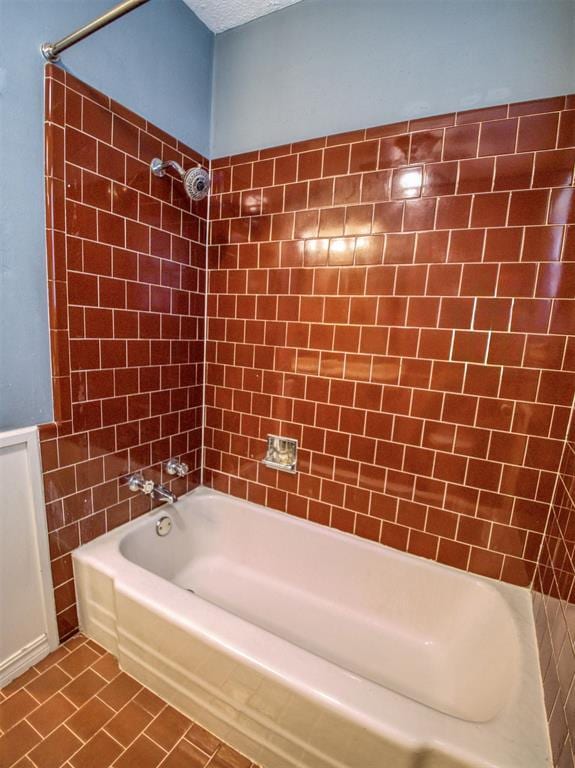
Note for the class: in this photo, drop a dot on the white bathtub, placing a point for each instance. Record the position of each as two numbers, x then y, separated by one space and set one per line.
303 646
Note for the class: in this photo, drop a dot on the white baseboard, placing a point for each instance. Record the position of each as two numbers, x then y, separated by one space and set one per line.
23 659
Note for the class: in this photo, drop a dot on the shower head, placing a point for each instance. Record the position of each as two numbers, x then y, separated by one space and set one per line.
196 183
196 180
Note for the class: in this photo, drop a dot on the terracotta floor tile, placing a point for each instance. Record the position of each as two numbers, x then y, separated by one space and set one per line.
185 755
120 691
77 661
55 749
16 708
90 718
52 658
99 752
150 702
83 687
98 713
107 667
226 757
16 742
46 684
203 739
75 642
95 647
19 682
51 714
142 754
168 728
128 723
25 762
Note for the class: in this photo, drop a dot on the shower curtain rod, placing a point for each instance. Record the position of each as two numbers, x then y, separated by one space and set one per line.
52 51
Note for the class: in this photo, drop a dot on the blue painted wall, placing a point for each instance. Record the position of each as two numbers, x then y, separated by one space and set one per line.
324 66
158 62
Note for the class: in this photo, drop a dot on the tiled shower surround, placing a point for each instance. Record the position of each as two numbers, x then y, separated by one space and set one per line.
399 299
126 272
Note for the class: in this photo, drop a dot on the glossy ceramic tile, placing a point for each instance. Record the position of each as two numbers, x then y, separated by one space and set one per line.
126 257
406 316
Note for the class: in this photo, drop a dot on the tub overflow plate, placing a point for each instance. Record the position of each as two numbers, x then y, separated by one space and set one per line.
163 526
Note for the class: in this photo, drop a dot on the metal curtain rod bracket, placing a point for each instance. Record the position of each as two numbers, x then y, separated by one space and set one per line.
52 51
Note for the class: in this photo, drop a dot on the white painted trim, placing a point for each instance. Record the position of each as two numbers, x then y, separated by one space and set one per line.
37 649
25 658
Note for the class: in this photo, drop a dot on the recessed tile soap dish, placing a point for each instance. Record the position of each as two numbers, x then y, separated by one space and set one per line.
281 454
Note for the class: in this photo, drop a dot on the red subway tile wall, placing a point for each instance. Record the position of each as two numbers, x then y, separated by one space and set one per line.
399 299
554 609
126 277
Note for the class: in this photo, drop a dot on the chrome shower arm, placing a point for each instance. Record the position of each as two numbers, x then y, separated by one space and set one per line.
159 167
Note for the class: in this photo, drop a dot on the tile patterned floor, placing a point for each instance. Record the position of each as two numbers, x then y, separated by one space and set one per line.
75 709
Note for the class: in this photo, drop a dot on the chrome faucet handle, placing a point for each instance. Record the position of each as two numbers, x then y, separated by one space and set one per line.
137 483
175 467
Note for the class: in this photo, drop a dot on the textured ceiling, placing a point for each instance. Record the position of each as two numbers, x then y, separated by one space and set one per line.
220 15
